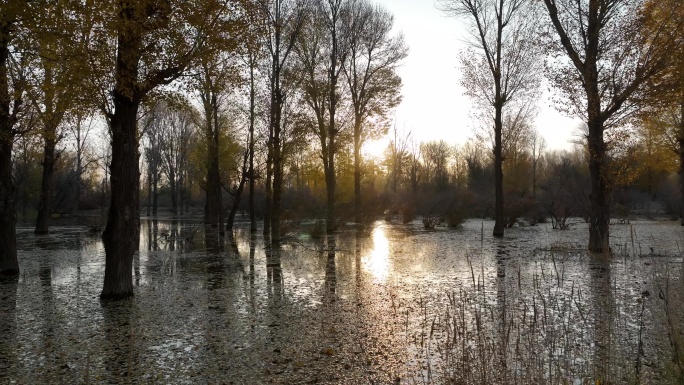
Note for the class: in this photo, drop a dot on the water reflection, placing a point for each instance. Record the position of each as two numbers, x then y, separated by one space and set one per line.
205 311
274 273
330 271
377 261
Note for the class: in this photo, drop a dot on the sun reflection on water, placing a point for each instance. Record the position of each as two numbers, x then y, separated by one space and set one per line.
377 262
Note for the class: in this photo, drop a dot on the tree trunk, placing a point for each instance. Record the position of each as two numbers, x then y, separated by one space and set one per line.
277 189
357 169
8 215
149 188
252 176
45 203
123 223
79 162
213 209
238 196
600 201
330 190
330 174
681 160
269 190
498 174
277 161
174 190
155 191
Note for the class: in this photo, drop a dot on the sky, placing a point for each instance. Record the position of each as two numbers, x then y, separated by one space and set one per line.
434 106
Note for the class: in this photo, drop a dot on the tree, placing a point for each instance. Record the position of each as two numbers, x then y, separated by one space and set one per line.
436 156
321 50
506 67
214 75
370 71
177 135
396 157
606 51
152 126
53 88
284 21
80 135
537 148
665 102
155 42
11 98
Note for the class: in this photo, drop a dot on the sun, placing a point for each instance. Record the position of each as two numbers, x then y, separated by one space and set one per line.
375 149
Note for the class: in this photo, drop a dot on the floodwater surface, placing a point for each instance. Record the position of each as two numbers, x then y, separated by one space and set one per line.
385 304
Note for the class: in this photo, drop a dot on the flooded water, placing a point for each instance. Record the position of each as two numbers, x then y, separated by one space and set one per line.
387 304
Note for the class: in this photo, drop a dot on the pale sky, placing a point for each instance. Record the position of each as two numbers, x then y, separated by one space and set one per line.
434 106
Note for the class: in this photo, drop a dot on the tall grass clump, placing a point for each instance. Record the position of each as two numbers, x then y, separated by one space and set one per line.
534 323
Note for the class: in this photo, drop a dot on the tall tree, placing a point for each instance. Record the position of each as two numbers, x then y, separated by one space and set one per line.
177 133
81 131
321 49
370 72
155 40
53 88
11 97
284 20
503 65
537 148
612 49
214 76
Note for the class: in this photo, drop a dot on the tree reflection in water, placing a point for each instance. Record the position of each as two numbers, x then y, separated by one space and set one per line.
357 307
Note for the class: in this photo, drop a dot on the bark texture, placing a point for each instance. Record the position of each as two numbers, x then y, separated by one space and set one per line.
8 215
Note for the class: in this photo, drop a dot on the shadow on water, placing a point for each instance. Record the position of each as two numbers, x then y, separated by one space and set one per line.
603 303
121 354
8 327
214 263
274 272
330 271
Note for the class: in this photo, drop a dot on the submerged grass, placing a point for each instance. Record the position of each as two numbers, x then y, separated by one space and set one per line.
544 329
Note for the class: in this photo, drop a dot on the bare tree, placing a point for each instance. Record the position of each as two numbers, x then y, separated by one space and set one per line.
397 157
537 147
176 134
284 21
436 156
611 52
370 71
502 65
80 127
321 50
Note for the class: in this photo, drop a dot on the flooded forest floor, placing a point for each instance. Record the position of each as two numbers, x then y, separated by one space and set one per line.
386 304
